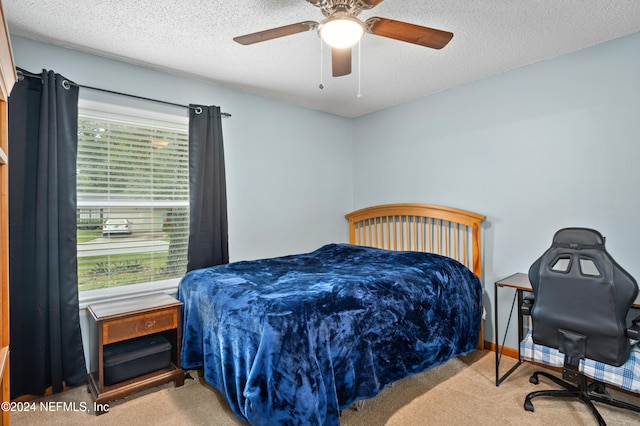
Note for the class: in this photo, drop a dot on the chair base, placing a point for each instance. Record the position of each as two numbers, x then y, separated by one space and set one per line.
596 391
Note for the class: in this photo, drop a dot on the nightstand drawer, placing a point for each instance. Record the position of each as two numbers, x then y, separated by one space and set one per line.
139 325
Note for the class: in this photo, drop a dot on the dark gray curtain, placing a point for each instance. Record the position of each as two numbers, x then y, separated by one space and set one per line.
46 343
208 229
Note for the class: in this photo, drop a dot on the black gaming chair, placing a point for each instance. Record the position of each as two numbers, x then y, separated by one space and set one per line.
581 299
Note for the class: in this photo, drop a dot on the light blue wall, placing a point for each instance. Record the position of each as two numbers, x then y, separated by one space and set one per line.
551 145
289 170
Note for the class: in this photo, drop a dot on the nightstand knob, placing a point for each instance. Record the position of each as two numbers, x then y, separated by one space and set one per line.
149 324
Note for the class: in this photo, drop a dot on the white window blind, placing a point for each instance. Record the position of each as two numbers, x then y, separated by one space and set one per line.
133 200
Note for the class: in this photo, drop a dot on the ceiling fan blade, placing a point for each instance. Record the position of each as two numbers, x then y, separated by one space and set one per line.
411 33
341 61
276 32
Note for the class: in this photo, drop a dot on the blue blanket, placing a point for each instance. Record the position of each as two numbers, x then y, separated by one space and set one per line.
295 339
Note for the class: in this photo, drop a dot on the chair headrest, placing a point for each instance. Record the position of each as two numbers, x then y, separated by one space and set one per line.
579 238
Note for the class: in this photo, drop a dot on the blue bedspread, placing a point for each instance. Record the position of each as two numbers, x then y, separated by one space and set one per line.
295 339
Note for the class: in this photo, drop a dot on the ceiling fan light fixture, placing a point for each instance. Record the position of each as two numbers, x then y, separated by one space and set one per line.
341 30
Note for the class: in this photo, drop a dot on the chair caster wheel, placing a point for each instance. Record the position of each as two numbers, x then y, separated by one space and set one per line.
534 379
600 389
528 406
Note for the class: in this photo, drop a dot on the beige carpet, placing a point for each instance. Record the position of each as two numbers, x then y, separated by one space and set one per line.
460 392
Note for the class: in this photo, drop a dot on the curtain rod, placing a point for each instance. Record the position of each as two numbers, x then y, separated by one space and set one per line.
25 73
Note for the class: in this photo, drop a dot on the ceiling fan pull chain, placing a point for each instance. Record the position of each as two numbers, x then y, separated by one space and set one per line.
359 95
321 86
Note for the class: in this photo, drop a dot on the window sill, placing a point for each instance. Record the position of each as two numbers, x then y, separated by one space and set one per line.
86 298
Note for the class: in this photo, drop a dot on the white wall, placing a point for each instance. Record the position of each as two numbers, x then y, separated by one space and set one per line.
551 145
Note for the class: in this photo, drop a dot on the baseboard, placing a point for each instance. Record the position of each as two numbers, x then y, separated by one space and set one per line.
506 351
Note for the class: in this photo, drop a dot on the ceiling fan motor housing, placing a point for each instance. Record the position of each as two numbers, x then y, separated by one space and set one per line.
350 7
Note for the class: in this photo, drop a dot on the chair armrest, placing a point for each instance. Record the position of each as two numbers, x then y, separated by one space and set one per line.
633 332
527 305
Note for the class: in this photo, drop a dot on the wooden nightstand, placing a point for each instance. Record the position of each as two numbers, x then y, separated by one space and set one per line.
127 319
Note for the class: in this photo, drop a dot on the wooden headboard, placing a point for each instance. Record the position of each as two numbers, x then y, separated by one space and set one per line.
420 227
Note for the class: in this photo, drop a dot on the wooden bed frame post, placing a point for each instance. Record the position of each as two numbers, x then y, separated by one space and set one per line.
477 259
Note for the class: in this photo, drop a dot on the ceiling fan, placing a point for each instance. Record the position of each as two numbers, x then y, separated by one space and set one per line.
341 29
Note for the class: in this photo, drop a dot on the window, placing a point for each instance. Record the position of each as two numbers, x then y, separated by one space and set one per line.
133 199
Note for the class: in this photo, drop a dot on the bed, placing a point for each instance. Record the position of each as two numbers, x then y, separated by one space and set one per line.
296 339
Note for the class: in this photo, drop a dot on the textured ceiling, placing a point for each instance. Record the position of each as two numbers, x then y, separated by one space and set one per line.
194 38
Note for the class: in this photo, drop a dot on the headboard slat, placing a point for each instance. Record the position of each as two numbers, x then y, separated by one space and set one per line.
420 227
